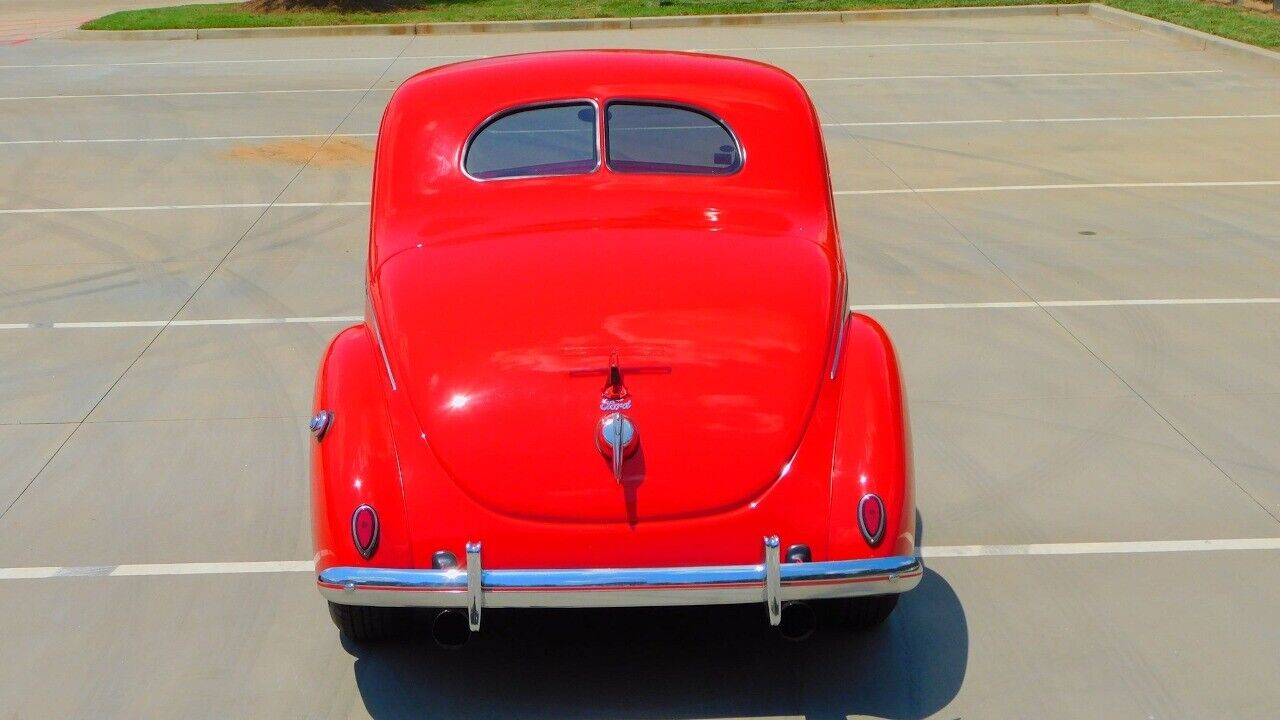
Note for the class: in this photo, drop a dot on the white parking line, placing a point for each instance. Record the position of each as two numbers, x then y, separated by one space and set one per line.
321 319
277 566
1101 548
200 138
193 93
1013 121
243 61
1007 75
197 568
149 208
879 123
108 324
1073 186
917 45
1025 304
893 191
388 58
928 553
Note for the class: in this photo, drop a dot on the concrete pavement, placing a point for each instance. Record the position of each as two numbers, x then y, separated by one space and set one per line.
22 21
134 440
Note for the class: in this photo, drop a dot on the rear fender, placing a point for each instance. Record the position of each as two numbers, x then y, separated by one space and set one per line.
872 451
355 463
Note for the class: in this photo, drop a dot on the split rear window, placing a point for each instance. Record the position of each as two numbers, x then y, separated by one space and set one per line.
640 137
651 138
544 140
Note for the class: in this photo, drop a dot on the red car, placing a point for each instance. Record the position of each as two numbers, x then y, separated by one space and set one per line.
607 358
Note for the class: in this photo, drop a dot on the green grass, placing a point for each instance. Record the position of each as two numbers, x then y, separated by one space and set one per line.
1248 27
1254 28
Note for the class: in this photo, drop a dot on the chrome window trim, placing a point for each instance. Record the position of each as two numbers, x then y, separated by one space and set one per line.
604 134
839 349
596 137
372 317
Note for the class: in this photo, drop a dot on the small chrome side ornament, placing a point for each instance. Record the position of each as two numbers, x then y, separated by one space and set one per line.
320 424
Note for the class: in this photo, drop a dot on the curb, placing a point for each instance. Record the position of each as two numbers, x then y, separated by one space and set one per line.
636 23
1194 39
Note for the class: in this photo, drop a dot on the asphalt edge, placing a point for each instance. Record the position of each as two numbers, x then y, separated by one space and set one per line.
636 23
1177 33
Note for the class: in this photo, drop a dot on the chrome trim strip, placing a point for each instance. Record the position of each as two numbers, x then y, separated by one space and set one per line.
773 580
372 318
619 587
835 359
475 588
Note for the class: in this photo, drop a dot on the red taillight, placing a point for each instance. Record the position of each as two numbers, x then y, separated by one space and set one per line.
871 519
364 530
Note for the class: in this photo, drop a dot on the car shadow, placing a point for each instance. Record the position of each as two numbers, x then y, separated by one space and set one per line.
673 663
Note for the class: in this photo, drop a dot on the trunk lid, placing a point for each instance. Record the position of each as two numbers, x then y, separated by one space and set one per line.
503 347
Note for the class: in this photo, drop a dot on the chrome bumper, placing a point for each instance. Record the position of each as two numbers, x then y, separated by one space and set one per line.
473 587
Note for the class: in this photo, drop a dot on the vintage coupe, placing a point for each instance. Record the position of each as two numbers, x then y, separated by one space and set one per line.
607 358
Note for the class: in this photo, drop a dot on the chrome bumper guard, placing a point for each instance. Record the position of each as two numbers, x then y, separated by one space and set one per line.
474 588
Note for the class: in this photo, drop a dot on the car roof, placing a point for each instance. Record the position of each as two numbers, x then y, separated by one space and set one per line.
422 196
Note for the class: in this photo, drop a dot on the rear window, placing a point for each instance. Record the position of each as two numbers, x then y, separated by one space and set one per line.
546 140
655 138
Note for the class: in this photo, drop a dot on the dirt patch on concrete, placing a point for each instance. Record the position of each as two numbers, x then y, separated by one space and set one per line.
338 152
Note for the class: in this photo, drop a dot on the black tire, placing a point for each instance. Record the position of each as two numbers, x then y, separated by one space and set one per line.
861 613
368 624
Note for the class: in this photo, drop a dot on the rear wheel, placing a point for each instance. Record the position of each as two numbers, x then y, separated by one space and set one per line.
363 623
861 613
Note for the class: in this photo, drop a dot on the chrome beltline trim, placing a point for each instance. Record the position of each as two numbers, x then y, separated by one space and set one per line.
619 587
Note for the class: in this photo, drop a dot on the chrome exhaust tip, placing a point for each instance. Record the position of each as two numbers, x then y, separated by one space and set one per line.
798 621
450 629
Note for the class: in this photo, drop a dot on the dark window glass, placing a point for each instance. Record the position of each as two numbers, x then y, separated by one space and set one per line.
648 138
548 140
